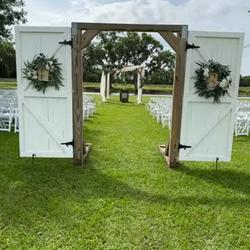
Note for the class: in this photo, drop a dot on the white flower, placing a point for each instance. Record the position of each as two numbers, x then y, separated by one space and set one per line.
224 83
33 72
34 77
50 63
47 66
206 72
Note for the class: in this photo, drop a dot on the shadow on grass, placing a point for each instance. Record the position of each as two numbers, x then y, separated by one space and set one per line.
57 191
51 179
226 178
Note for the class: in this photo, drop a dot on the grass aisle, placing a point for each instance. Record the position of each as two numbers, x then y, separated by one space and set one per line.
125 198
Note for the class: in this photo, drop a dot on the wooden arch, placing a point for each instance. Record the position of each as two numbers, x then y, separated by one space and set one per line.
174 35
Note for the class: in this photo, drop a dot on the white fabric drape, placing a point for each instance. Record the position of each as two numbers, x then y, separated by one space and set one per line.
140 74
108 85
103 86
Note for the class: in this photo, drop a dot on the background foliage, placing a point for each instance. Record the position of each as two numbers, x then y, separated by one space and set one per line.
111 51
11 12
7 60
245 81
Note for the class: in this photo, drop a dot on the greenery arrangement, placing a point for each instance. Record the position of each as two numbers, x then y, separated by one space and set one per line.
43 72
212 80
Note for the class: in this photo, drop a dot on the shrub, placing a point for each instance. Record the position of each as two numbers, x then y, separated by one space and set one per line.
245 81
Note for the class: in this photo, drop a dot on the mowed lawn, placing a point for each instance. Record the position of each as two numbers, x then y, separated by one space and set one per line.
148 88
125 197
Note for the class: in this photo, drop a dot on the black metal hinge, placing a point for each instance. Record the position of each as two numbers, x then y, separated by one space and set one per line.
184 146
66 42
70 143
191 46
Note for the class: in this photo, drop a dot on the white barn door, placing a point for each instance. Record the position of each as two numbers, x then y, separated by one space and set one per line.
45 119
207 126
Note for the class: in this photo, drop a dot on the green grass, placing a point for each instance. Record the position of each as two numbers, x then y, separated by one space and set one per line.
7 85
125 197
244 91
147 89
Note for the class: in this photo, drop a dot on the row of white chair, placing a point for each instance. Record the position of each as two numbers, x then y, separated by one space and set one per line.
160 108
9 116
242 123
89 106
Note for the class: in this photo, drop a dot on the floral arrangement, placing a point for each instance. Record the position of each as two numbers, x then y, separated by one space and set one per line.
212 80
43 72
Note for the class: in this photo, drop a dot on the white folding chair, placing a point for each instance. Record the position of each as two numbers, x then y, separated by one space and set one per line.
16 120
5 119
242 123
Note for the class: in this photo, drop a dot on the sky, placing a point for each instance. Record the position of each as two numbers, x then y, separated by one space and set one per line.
201 15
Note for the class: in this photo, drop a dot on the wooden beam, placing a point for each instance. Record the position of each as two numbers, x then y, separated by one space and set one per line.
87 37
129 27
171 39
178 91
79 147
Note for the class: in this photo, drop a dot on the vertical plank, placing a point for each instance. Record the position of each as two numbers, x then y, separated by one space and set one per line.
79 146
178 90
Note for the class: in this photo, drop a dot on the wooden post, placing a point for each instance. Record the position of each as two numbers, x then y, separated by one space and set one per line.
178 90
79 41
79 147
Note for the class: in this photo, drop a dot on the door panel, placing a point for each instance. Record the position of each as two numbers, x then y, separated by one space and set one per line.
45 118
207 126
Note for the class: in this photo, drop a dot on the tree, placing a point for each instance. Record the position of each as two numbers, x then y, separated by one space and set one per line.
137 49
92 61
113 50
109 46
7 60
161 67
244 81
104 53
11 12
